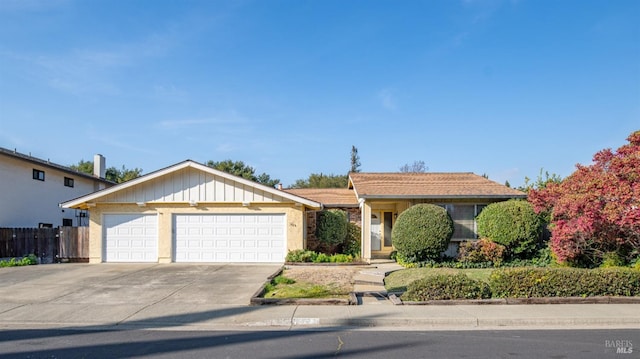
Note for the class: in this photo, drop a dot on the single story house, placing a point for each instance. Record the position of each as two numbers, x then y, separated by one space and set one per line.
381 197
190 212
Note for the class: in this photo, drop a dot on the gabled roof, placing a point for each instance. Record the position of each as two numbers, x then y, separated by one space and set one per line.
49 164
168 171
428 185
329 197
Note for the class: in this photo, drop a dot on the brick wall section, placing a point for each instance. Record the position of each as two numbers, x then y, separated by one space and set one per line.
353 214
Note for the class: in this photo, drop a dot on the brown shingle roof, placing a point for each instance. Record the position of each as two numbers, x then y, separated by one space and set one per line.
428 185
329 197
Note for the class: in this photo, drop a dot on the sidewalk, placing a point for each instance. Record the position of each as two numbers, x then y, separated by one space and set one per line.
297 317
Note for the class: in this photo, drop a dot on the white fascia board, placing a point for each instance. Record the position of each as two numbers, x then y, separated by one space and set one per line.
352 185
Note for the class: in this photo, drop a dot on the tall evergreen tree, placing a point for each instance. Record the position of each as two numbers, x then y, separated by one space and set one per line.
355 160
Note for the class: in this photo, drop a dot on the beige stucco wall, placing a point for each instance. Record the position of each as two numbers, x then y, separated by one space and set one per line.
294 217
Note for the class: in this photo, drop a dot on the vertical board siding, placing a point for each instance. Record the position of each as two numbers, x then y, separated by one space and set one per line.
192 185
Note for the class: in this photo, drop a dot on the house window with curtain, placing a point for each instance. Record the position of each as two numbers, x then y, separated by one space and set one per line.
464 219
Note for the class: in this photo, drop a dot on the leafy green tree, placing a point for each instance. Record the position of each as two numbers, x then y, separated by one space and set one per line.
83 166
319 180
112 174
240 169
541 182
122 175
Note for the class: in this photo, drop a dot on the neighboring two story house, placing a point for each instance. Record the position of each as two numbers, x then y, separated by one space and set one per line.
31 190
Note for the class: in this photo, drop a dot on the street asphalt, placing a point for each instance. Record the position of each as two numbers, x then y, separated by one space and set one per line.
216 297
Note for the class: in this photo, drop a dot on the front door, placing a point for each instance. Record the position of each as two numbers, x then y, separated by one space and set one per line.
381 226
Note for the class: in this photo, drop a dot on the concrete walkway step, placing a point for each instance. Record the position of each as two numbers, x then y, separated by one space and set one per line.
369 284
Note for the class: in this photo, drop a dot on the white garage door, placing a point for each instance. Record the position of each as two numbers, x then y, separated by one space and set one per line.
130 238
230 238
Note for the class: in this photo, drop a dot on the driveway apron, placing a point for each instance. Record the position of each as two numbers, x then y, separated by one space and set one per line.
117 293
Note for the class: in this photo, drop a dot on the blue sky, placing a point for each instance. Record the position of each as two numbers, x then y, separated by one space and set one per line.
488 86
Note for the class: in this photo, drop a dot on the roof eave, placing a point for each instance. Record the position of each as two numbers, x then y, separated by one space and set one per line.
483 196
76 203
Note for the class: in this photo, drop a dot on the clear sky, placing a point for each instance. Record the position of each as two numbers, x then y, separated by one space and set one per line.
486 86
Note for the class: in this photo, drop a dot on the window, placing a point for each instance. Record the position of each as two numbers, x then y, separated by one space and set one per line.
464 219
67 222
38 175
68 182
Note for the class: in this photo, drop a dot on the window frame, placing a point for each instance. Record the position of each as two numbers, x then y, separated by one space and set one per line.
38 175
69 182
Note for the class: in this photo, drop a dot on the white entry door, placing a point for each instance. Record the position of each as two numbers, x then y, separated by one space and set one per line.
237 238
130 238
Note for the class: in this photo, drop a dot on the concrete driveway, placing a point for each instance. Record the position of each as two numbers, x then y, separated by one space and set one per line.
114 293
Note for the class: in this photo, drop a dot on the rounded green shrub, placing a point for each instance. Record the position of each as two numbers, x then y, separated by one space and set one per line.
422 232
332 227
446 286
513 224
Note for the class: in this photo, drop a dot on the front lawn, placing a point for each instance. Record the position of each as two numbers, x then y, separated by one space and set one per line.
285 287
398 280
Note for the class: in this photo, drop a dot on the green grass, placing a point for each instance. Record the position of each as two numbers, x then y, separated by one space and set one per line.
283 287
398 280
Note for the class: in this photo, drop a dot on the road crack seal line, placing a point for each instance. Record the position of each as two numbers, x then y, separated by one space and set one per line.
293 316
340 344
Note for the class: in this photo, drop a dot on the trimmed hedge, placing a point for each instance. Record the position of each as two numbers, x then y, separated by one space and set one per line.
351 244
306 256
422 232
564 282
513 224
443 286
332 227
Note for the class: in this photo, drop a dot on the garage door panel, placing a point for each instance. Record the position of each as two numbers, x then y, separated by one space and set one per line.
229 238
130 238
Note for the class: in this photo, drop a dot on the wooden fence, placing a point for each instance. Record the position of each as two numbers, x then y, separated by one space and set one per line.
50 245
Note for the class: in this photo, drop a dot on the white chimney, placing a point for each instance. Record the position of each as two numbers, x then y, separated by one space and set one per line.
280 186
99 168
